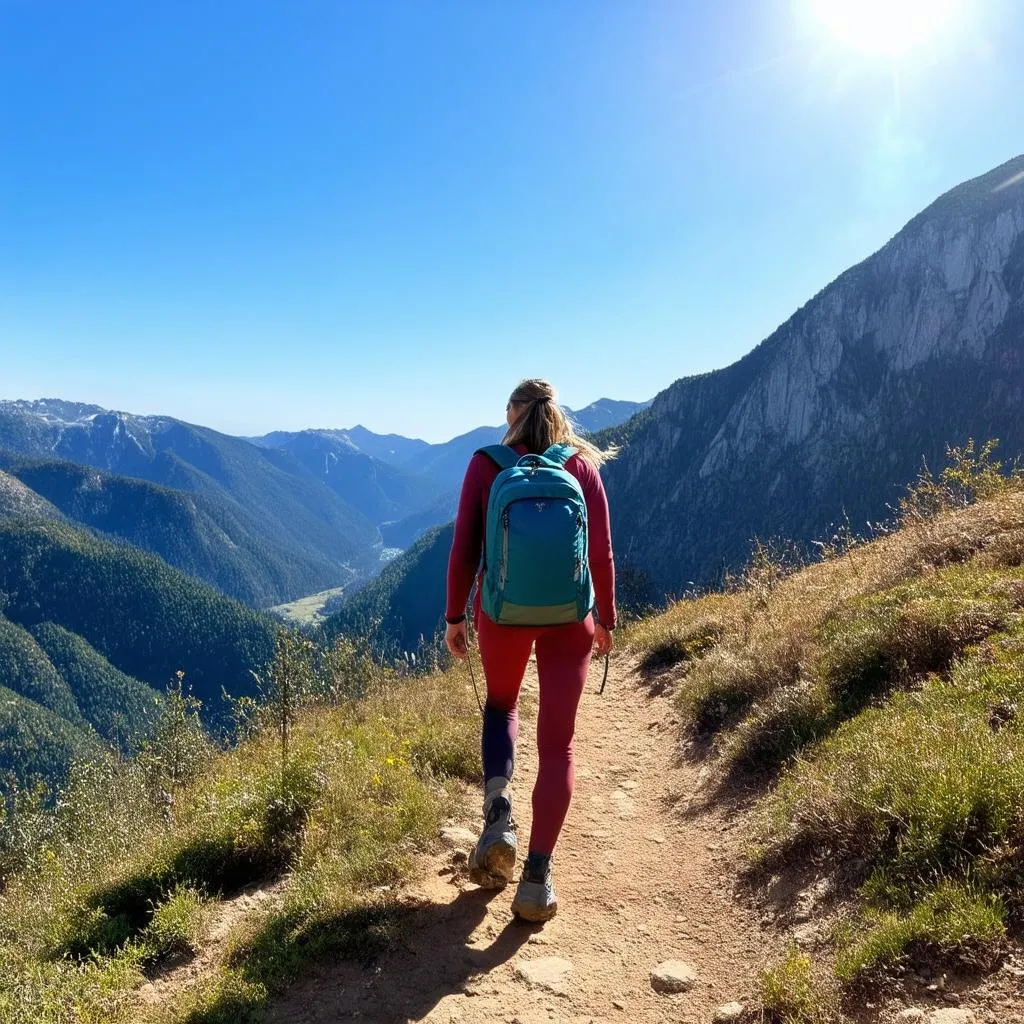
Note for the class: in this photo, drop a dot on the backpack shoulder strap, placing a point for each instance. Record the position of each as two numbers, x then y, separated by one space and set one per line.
500 454
560 453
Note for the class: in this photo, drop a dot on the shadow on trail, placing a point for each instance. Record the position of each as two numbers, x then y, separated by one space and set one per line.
394 962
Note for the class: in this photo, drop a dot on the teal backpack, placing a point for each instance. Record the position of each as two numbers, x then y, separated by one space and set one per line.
535 564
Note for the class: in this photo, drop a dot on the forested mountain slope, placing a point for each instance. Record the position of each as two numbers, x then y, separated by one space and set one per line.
205 535
16 499
92 631
405 603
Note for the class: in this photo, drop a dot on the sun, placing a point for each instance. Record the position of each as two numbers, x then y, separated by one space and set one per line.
885 28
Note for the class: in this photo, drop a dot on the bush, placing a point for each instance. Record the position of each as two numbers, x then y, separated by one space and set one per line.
178 924
681 645
955 918
790 994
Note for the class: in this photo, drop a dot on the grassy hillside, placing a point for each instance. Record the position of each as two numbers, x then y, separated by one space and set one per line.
204 535
868 704
120 882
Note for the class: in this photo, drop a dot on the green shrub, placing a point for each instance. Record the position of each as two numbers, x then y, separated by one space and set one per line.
178 924
729 681
790 994
955 918
684 644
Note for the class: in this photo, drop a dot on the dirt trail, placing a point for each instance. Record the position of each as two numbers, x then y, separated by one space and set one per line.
639 882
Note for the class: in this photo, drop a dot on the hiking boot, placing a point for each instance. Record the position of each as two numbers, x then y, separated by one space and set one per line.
493 860
535 898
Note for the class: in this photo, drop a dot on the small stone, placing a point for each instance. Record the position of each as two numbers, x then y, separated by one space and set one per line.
628 784
911 1015
673 976
624 806
951 1016
618 1004
549 973
728 1013
806 936
458 837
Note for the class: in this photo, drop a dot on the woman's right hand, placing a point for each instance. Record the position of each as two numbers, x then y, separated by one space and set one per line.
603 640
457 640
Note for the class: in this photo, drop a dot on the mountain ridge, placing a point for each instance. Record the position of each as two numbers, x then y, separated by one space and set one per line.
908 351
287 507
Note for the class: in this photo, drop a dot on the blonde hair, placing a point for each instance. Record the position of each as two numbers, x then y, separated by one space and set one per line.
543 423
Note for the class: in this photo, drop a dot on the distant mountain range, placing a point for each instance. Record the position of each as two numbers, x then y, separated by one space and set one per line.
405 485
266 520
289 532
919 347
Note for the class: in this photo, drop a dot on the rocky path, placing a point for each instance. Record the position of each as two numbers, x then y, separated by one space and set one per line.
644 877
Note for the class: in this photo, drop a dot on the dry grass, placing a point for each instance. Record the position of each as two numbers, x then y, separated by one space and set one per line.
123 881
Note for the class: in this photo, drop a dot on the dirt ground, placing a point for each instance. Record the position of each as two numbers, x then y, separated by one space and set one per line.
639 882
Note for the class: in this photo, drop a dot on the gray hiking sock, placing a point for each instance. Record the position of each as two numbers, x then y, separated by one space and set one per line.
496 788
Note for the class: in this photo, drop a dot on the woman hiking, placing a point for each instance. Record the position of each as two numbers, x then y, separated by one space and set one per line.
541 540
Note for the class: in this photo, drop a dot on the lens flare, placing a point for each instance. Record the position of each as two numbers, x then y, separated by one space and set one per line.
885 28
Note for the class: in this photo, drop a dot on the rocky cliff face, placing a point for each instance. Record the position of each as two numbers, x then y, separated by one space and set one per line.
918 347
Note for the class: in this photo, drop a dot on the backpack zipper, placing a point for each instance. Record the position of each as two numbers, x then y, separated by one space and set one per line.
503 574
579 557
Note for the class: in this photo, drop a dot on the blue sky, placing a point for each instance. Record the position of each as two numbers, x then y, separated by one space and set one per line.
262 215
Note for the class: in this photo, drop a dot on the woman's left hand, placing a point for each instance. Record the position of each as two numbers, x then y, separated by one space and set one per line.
603 640
457 640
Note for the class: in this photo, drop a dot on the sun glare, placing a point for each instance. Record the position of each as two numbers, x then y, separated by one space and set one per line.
885 28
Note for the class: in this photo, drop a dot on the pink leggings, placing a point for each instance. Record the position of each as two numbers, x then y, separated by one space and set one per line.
563 658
